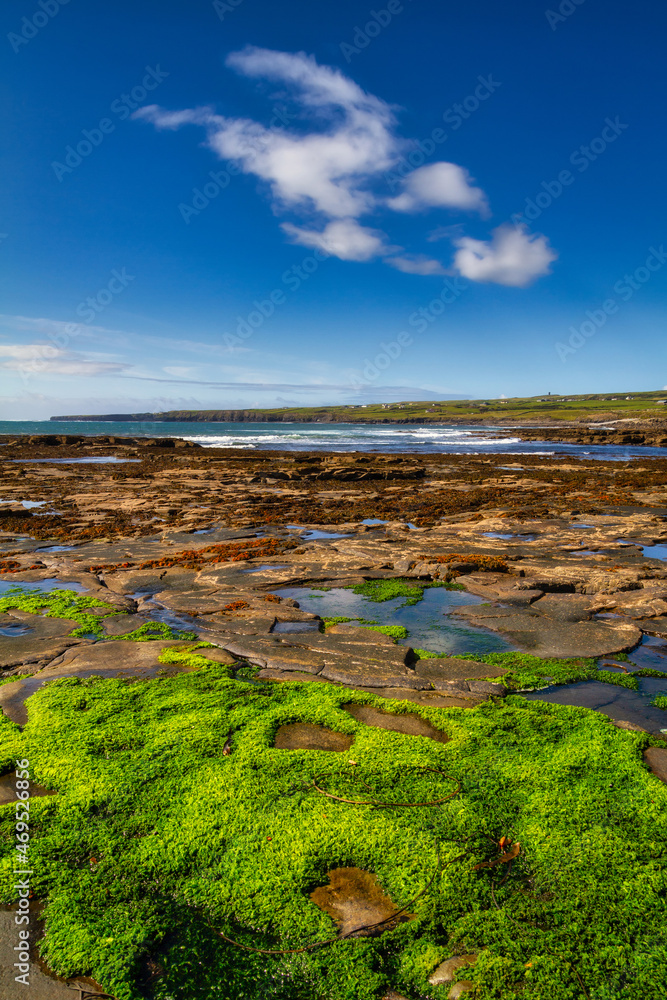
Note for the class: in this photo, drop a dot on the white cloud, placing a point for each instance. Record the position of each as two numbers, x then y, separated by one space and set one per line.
439 185
513 257
344 238
324 171
328 167
416 264
45 359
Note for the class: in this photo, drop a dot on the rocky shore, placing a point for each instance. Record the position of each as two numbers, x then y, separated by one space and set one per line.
252 775
555 546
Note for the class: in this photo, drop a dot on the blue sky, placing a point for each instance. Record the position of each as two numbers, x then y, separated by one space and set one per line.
246 203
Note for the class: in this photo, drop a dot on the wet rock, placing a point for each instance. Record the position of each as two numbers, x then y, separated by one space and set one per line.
446 971
450 675
630 726
542 635
117 656
409 724
353 656
433 698
44 984
217 655
8 789
356 901
657 626
306 736
461 988
47 638
656 758
109 659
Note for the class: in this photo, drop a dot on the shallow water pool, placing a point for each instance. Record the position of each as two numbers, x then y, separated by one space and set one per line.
654 551
45 586
430 623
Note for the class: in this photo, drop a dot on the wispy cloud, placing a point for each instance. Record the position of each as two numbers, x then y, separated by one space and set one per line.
329 169
416 264
34 358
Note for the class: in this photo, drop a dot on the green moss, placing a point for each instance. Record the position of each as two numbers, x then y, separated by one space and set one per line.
60 604
387 590
659 701
526 672
73 607
336 620
395 631
12 678
649 672
158 840
153 630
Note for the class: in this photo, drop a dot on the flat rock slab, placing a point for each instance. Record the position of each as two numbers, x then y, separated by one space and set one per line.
432 698
217 655
43 984
409 724
448 674
108 659
47 638
541 635
306 736
657 626
122 624
656 758
356 901
352 658
117 656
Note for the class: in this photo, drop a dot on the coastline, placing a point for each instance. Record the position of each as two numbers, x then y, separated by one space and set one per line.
221 621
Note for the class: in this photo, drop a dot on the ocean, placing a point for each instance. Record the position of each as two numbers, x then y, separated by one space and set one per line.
432 439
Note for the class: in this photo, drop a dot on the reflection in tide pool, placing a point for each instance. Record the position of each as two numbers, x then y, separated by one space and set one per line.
45 586
618 703
655 551
429 623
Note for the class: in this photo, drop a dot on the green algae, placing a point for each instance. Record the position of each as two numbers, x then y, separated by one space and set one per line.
159 839
150 631
60 604
386 590
527 672
396 632
73 607
659 701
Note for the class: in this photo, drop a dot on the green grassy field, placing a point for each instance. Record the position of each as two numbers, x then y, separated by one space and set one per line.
530 409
